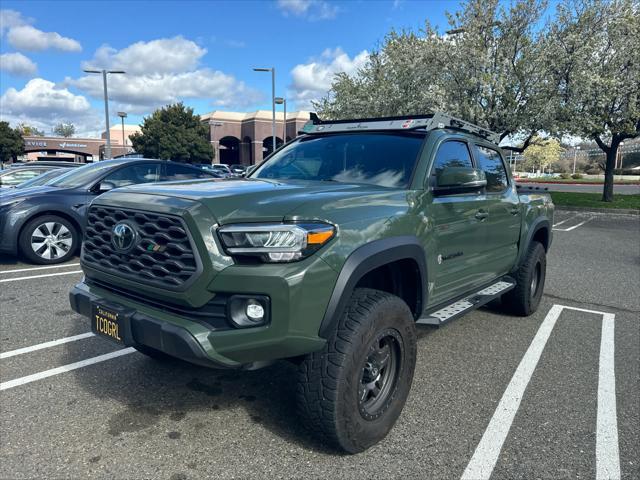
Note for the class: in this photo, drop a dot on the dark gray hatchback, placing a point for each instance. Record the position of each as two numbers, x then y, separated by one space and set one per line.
45 223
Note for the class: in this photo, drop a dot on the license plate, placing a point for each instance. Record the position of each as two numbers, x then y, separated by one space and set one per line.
108 323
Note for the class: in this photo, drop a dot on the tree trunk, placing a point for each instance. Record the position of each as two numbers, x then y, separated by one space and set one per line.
612 153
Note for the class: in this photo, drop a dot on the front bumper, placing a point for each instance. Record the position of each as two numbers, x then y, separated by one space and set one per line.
298 295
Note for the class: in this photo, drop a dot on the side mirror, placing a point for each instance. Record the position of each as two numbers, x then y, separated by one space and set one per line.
454 180
103 187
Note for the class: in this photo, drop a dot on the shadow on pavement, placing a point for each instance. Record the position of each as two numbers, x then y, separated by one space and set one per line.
152 390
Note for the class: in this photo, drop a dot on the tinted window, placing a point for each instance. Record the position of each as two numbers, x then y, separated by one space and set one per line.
77 177
489 160
380 159
180 172
451 154
138 173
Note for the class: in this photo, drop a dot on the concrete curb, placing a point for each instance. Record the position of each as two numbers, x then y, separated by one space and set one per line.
599 211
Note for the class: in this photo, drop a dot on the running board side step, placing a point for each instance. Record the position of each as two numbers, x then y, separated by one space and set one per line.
468 303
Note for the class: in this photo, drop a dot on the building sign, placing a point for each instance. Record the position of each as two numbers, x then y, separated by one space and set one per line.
72 145
34 143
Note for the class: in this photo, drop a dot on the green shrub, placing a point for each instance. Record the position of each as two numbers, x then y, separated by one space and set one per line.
565 176
594 171
576 176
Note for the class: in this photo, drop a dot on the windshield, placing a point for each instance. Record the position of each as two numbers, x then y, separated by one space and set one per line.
44 178
82 175
385 159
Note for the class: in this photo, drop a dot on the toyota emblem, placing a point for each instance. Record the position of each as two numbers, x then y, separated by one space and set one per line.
123 237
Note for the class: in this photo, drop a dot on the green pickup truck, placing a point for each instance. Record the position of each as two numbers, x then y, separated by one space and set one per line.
328 255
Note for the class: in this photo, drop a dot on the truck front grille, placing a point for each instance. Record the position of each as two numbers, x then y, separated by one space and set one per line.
163 254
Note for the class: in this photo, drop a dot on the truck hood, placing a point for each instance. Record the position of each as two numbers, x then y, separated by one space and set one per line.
251 200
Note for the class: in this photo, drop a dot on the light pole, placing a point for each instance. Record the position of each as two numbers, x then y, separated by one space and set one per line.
283 101
122 116
273 101
107 150
575 153
213 124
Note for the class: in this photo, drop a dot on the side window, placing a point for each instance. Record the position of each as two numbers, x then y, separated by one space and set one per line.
179 172
451 154
145 173
489 160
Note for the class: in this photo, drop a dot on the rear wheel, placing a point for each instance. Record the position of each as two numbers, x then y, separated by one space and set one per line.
353 391
524 299
48 239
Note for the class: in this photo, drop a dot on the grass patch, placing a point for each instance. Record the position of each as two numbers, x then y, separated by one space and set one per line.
594 200
597 181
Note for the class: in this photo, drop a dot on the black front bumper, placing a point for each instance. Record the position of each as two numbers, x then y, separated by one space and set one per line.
144 330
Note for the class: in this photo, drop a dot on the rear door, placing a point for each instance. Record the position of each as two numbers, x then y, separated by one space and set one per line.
502 226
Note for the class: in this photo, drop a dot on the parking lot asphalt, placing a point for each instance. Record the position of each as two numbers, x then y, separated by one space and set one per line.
493 395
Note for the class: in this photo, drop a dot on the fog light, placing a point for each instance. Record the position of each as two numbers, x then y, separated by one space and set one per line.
248 310
255 311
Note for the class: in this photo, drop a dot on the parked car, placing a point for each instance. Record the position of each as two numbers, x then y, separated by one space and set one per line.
327 255
21 172
44 223
238 170
42 178
47 163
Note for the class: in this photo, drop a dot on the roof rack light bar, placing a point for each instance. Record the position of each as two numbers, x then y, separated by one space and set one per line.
427 122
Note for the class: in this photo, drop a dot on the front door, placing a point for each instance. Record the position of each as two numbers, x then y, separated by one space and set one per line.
457 231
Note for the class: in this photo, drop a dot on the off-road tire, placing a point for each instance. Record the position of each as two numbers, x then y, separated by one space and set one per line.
331 381
27 232
524 299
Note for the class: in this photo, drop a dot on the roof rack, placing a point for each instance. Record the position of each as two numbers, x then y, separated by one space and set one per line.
437 120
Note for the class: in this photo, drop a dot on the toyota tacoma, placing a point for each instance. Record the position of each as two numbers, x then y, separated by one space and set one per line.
328 254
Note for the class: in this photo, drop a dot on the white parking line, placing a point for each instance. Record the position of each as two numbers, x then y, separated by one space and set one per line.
563 221
40 346
573 227
65 368
17 270
484 458
38 276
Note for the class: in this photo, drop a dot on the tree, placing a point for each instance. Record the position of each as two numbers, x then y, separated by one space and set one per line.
29 131
11 143
174 133
487 69
64 129
594 58
542 153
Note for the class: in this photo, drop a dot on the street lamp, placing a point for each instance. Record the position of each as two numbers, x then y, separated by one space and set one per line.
123 115
575 153
283 101
273 101
213 124
107 151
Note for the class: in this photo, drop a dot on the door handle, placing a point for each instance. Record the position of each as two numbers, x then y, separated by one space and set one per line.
514 211
481 215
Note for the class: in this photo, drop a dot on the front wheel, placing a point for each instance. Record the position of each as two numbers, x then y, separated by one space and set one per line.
524 299
48 239
353 391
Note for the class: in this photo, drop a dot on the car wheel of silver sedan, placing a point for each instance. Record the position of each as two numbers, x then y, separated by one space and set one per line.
48 239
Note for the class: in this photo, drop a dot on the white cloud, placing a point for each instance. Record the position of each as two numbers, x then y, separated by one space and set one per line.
165 55
26 37
10 19
17 64
310 9
42 104
312 80
159 72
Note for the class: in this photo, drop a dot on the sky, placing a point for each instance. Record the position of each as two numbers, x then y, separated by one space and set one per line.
198 52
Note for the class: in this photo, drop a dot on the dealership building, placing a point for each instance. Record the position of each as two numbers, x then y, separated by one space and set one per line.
236 138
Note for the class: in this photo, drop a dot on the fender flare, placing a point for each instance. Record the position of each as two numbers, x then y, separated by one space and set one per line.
537 225
365 259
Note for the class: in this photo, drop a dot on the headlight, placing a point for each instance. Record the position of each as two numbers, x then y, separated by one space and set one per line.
278 242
